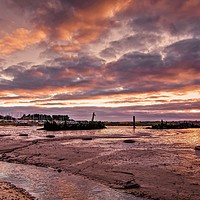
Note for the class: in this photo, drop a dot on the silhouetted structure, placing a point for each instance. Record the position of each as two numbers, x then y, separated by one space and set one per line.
73 125
134 122
85 125
176 125
93 115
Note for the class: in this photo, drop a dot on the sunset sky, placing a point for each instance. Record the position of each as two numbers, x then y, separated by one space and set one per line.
117 58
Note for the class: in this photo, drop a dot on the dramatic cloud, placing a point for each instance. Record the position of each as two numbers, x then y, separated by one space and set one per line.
185 51
75 22
177 17
19 40
114 57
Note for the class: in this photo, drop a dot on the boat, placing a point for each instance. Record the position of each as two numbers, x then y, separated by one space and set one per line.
23 123
82 125
73 125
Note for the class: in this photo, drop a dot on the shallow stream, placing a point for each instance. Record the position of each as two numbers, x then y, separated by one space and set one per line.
47 184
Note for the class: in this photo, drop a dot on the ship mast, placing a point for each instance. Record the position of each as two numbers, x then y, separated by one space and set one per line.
93 115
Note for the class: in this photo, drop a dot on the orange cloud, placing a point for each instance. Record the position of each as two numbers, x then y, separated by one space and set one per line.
20 39
84 26
89 23
72 47
105 9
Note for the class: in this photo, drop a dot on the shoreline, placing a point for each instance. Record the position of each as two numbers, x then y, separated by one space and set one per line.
149 172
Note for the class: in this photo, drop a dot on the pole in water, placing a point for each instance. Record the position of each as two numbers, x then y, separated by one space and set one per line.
134 122
162 123
93 115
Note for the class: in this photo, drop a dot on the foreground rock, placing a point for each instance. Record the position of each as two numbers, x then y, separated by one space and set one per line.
197 148
10 192
50 136
23 134
129 141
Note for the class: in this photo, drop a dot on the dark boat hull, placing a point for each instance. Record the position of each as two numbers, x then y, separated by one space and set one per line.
53 126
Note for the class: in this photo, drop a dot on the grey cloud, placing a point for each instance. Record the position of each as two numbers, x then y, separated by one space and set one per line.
109 52
138 72
26 4
179 17
145 23
137 42
47 13
52 13
183 51
135 60
6 24
81 4
57 73
134 72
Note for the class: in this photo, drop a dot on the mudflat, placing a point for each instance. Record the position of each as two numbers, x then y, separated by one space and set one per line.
9 191
156 172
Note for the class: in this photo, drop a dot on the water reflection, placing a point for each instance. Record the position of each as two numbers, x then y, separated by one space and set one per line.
46 184
186 136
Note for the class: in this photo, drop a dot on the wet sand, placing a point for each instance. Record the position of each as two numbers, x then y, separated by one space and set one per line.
9 191
156 172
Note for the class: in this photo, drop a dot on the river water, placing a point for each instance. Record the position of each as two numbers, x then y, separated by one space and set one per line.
47 184
190 137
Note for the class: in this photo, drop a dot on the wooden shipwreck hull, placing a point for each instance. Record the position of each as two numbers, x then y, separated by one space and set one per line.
55 126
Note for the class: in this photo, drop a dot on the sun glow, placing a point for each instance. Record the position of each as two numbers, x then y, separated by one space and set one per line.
195 111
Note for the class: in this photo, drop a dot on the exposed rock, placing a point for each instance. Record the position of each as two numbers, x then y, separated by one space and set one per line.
4 135
35 142
87 138
197 148
50 136
23 134
127 185
59 170
129 141
130 185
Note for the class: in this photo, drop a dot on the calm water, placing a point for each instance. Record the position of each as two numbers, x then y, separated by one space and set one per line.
148 138
47 184
187 136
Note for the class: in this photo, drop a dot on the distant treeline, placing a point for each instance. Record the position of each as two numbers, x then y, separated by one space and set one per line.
7 117
138 123
44 117
36 117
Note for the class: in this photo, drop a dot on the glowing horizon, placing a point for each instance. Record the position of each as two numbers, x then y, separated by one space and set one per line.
115 58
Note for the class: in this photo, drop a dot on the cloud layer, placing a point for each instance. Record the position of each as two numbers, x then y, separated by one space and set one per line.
113 57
